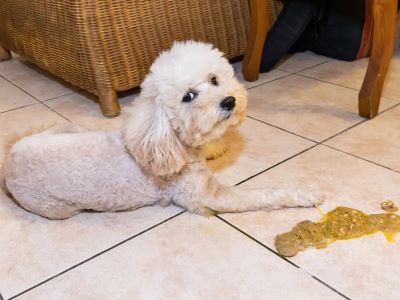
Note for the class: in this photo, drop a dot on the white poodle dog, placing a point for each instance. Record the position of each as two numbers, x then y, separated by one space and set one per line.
190 98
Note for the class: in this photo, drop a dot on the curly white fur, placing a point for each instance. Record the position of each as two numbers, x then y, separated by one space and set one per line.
154 159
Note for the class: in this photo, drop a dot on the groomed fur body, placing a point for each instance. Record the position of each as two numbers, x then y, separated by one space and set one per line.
154 159
61 174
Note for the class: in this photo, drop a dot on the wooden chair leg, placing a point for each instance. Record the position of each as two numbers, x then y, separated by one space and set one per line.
256 39
4 54
383 40
109 103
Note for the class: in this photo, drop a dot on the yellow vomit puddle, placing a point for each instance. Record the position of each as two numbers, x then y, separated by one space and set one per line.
341 223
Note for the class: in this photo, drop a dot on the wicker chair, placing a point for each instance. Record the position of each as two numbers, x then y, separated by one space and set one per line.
106 46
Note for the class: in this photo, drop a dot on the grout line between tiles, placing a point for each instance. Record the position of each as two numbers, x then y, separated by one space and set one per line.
277 127
347 87
389 108
15 108
356 156
306 68
255 240
96 255
26 92
283 258
56 97
269 81
325 81
311 147
277 164
362 158
316 144
9 81
358 123
47 106
342 131
37 100
331 137
328 286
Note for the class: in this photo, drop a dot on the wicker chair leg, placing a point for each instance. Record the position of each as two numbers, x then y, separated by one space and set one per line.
4 54
109 103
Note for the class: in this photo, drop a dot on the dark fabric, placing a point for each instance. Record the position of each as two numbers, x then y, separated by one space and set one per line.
287 29
339 30
328 27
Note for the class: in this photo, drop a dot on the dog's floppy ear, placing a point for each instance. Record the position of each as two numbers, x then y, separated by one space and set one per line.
151 140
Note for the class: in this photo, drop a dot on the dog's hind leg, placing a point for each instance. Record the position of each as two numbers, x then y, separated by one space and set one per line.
54 209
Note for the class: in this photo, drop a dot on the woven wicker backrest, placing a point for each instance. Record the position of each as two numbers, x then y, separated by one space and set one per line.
48 33
112 42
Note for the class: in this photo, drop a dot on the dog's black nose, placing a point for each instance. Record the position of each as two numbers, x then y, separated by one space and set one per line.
228 103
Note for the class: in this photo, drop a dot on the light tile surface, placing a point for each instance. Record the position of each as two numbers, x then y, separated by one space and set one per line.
351 74
377 140
34 248
25 121
263 77
364 268
12 97
35 81
253 148
310 108
299 61
189 257
83 109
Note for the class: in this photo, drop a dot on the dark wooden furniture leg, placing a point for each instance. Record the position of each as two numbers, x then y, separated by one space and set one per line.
256 39
383 40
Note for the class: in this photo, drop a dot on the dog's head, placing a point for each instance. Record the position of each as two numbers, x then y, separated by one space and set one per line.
189 98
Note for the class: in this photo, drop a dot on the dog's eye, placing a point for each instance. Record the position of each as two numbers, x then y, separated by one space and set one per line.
189 96
214 81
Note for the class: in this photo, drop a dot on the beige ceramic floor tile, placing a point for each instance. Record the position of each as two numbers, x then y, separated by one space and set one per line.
365 268
377 140
24 121
310 108
34 248
188 257
12 97
351 74
299 61
35 81
82 109
263 77
253 148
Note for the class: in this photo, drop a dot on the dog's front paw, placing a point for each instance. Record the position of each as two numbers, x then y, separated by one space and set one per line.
303 199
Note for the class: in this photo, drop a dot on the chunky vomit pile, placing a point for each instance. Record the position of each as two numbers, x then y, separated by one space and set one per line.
342 223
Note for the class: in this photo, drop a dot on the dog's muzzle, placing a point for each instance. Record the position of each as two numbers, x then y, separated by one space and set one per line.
228 103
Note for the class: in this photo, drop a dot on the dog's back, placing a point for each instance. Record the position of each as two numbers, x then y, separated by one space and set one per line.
62 173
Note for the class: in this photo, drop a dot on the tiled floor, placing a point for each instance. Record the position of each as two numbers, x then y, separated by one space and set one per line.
302 131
